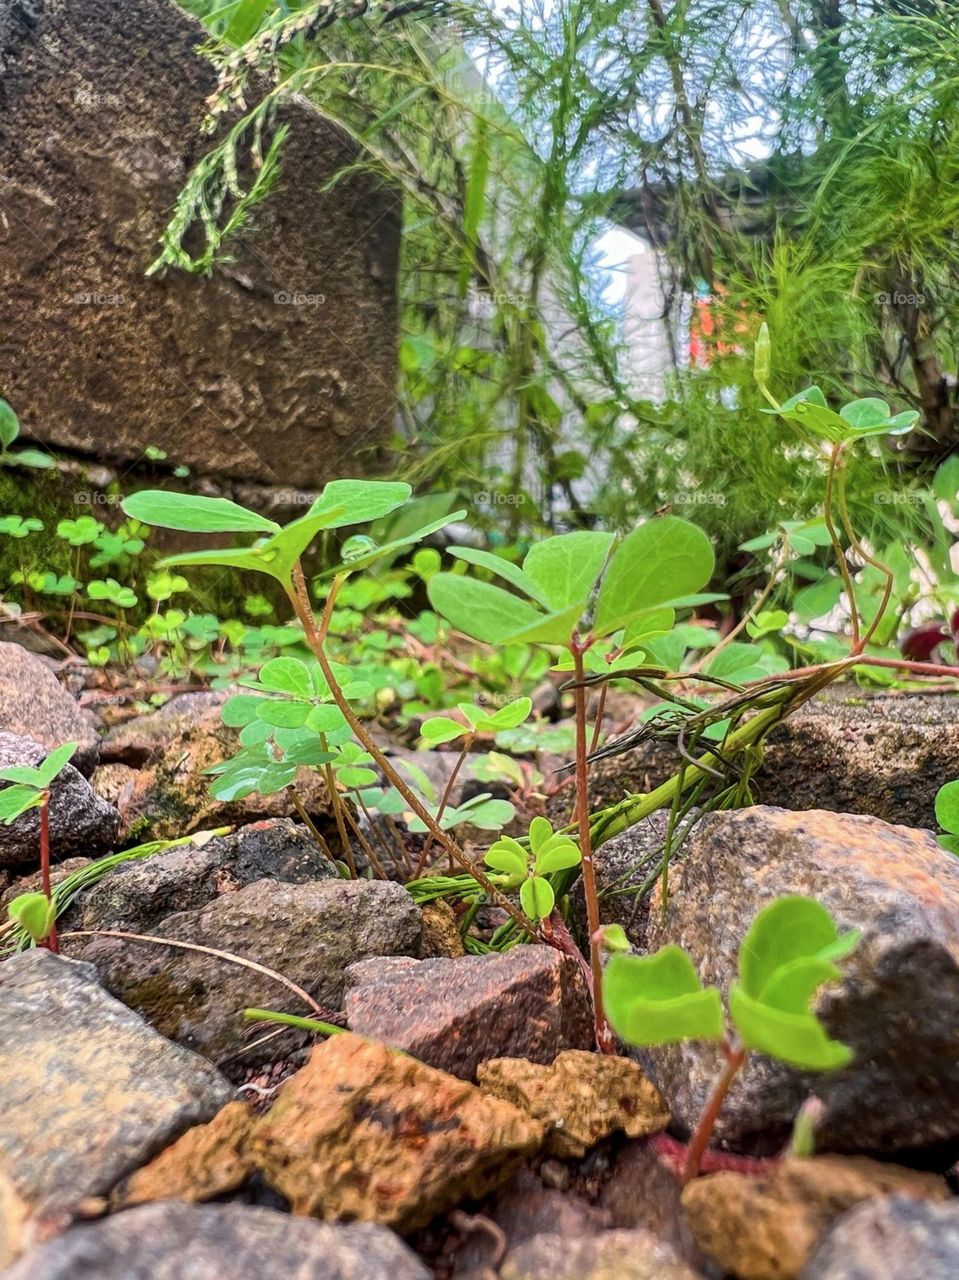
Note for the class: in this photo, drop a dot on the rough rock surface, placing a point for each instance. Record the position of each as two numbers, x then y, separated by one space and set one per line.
765 1228
897 1005
307 932
218 1242
528 1002
883 756
891 1239
209 1160
524 1208
33 882
171 796
135 741
34 704
89 1090
623 864
642 1191
80 822
581 1097
279 365
441 933
625 1255
365 1133
137 896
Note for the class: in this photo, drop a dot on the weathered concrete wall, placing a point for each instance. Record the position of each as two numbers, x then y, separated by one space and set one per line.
280 368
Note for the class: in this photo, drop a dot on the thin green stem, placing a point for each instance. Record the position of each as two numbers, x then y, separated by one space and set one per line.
835 459
444 802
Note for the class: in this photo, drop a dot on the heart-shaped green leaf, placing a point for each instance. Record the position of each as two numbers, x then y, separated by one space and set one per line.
16 800
34 913
287 675
798 1039
947 807
659 999
507 856
441 729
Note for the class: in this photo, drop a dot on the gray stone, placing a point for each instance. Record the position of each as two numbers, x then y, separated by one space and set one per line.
279 366
529 1002
897 1005
80 822
522 1209
136 740
623 865
844 751
308 933
171 1241
34 704
627 1255
139 895
90 1092
892 1238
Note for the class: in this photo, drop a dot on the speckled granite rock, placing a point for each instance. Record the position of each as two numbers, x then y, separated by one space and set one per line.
897 1005
528 1002
766 1227
307 932
218 1242
625 1255
883 756
80 822
364 1133
138 895
34 704
89 1090
890 1239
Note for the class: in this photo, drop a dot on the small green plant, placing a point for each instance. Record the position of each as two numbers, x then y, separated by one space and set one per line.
30 789
573 591
9 430
947 816
289 716
527 869
789 952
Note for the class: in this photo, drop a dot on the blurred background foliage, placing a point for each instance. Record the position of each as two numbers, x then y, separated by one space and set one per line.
788 160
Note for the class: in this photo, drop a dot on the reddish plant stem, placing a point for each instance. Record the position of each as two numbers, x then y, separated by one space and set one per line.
444 804
604 1035
672 1153
52 941
300 600
735 1056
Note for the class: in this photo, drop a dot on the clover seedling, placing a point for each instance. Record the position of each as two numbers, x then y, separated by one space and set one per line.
789 952
30 789
441 729
947 815
9 430
527 869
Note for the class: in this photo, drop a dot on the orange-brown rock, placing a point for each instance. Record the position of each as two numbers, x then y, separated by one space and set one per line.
441 934
581 1097
209 1160
765 1228
364 1133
